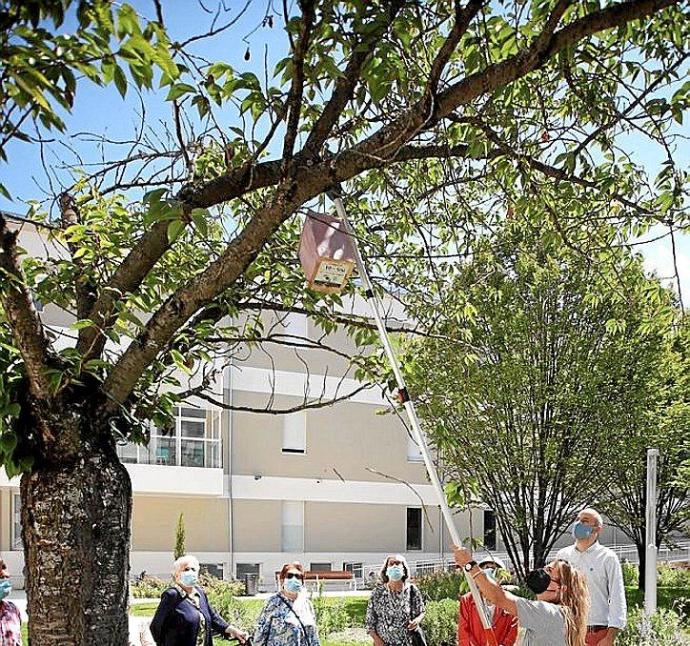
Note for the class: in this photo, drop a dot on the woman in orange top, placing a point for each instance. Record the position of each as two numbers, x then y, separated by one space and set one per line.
470 629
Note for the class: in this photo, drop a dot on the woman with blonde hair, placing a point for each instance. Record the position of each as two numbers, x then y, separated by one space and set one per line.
558 617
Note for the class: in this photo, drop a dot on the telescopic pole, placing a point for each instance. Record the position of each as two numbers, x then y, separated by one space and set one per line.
417 431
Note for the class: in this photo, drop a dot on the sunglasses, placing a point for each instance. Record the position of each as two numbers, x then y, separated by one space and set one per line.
294 575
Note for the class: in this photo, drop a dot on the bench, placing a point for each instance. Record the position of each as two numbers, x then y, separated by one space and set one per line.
325 576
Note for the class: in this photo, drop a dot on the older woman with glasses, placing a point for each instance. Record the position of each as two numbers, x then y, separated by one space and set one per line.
396 608
288 617
10 621
184 616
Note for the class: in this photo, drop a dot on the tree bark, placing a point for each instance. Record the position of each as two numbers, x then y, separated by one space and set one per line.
75 527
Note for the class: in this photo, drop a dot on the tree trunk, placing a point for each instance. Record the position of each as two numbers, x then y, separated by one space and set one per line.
642 555
76 526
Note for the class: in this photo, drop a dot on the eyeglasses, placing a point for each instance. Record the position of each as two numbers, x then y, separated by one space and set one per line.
294 575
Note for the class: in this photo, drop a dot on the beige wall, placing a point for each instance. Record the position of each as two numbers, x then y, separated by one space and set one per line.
257 525
349 437
5 519
154 520
338 527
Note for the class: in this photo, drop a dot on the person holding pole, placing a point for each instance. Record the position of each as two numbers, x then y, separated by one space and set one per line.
604 575
559 615
470 629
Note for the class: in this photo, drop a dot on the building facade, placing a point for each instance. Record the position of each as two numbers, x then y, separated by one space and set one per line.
337 487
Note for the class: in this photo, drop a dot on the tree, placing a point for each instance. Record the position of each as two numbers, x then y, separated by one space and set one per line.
555 369
180 547
173 251
666 427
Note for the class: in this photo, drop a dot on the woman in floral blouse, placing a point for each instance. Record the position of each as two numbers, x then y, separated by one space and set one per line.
288 617
10 621
396 608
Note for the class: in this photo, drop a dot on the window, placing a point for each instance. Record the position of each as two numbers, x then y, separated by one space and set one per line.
414 454
293 526
414 528
357 569
194 441
489 529
295 433
16 537
247 568
214 569
320 567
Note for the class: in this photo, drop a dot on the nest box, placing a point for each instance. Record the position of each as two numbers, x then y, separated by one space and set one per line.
326 253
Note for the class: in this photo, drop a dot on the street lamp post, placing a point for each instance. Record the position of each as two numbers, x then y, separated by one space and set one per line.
651 549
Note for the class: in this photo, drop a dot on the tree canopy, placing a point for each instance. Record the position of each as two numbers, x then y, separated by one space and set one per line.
440 119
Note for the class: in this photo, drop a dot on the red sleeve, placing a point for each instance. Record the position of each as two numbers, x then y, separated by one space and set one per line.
506 629
465 621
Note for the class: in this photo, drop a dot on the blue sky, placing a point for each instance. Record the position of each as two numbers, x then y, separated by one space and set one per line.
103 111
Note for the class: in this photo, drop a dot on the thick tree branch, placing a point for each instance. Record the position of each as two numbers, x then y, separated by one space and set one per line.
84 287
346 84
22 317
309 181
294 98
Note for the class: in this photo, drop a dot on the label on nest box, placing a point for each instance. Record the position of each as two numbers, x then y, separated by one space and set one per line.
332 273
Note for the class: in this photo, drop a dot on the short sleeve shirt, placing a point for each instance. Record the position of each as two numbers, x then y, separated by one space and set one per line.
541 623
10 624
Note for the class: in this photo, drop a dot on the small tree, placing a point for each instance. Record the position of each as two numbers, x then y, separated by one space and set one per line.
667 428
180 535
557 364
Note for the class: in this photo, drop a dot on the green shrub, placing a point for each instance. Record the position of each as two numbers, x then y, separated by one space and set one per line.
631 574
150 587
672 577
331 616
666 630
442 585
441 622
239 613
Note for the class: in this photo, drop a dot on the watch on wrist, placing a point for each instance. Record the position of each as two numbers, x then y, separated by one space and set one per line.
468 566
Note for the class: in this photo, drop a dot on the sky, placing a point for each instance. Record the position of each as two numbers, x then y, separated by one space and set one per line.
103 111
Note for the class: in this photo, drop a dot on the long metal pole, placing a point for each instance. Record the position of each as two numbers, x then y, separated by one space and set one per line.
418 433
651 550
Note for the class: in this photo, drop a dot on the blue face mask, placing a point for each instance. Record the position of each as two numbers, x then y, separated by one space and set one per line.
5 588
293 585
189 578
395 572
582 531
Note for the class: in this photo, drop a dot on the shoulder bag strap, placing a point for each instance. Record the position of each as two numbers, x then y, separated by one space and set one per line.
304 630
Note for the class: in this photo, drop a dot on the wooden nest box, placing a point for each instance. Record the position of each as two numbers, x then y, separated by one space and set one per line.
326 252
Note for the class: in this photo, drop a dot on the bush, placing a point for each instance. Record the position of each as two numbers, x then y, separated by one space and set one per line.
631 574
666 630
149 587
441 622
331 616
442 585
239 613
672 577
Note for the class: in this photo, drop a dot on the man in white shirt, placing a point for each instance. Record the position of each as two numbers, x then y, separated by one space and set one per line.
602 569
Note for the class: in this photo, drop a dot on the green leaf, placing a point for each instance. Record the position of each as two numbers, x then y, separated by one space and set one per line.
175 229
178 90
199 218
120 81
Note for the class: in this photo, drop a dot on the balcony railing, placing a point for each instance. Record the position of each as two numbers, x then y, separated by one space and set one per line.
195 442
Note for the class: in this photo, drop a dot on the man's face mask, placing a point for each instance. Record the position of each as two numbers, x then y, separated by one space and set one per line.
538 581
582 531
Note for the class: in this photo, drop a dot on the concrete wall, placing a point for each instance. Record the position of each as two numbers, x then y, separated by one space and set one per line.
154 520
257 525
349 437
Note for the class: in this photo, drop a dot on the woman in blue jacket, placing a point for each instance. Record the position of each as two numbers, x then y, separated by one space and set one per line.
184 616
